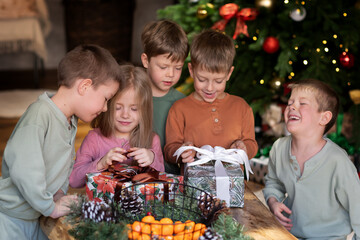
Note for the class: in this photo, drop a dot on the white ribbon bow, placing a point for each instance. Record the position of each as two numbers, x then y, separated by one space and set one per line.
207 153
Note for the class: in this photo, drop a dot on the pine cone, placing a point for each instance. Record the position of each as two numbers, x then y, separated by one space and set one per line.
132 203
98 212
210 234
205 203
211 207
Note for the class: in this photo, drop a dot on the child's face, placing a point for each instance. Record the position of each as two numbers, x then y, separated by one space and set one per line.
127 115
209 86
163 73
301 114
96 100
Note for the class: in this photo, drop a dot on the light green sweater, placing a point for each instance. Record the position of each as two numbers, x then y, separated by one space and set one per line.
325 199
37 161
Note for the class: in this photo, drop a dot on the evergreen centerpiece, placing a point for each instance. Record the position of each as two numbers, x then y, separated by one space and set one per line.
187 217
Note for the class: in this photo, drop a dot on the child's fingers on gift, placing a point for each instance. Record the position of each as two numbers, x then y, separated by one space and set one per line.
188 156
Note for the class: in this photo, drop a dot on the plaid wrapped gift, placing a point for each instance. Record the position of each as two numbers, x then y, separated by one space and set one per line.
218 172
107 185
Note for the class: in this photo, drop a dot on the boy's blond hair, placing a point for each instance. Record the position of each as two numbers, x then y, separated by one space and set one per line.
325 96
87 61
165 37
213 51
137 78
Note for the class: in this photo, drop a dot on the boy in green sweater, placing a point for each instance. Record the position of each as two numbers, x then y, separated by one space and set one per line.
39 155
165 47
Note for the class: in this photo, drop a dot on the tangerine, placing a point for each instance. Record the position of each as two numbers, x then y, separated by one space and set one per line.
144 237
167 226
189 226
200 227
137 226
183 236
133 234
179 227
146 229
148 219
156 228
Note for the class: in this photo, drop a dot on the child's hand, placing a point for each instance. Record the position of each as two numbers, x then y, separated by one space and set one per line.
59 194
277 208
62 206
115 154
238 144
144 157
188 156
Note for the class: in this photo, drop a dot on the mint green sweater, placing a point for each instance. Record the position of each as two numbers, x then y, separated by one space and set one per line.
324 199
37 161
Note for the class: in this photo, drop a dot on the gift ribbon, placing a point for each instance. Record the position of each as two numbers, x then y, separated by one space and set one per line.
219 154
136 175
230 10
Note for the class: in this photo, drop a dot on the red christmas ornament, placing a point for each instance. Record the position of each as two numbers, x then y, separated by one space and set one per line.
271 44
346 59
149 214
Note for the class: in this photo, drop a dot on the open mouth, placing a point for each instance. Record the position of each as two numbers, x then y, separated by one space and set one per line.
294 118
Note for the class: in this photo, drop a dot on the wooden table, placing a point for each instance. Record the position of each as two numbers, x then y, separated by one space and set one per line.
258 221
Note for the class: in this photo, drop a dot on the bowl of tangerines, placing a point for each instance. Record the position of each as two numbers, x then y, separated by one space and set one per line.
165 228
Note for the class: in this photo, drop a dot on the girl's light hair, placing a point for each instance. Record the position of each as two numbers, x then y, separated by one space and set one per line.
136 78
325 96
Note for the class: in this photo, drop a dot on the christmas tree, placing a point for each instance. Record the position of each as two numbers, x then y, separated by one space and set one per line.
280 41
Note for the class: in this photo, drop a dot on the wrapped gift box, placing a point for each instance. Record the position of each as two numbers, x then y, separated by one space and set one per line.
260 169
203 177
107 185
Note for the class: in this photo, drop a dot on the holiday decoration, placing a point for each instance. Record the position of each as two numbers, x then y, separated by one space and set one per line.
203 9
229 11
271 45
346 59
260 169
182 219
264 3
298 14
108 184
355 96
225 181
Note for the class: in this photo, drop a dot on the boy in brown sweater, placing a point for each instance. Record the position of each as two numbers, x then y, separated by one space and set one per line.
209 116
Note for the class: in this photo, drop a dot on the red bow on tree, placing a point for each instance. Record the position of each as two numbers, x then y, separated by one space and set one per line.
230 10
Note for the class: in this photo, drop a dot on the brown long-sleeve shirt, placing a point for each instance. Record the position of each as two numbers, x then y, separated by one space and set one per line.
219 123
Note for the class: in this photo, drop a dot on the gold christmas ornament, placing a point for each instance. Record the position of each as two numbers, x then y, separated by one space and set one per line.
355 96
202 11
264 3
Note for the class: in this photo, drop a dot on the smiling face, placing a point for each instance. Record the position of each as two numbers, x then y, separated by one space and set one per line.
127 113
209 86
302 115
163 72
